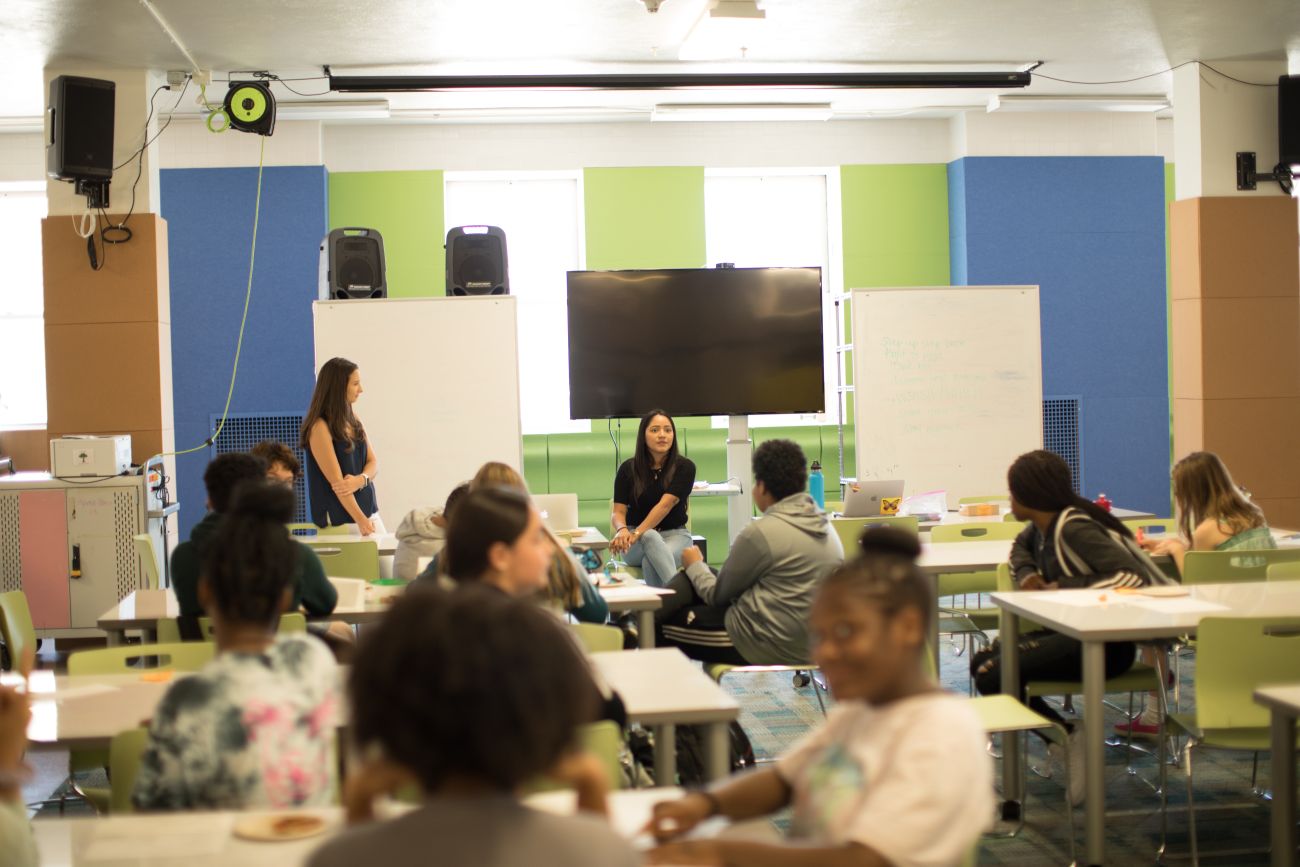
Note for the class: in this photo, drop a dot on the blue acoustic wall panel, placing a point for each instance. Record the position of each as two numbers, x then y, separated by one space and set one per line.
209 215
1090 232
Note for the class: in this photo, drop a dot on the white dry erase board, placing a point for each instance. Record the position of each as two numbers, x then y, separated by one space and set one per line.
948 385
440 380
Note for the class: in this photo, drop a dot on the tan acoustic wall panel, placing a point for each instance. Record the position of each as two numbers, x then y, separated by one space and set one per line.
30 449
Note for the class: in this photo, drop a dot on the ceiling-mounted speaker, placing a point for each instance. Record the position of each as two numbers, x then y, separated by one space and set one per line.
476 261
250 107
80 143
352 265
1288 122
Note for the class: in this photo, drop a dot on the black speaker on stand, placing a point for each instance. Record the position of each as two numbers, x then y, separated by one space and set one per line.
476 261
352 265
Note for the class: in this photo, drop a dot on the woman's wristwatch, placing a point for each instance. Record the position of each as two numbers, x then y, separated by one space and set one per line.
367 478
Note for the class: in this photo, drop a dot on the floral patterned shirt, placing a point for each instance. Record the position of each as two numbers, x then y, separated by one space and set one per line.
249 730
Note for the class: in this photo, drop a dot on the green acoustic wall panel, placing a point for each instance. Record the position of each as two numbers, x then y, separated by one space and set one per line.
644 217
406 208
895 221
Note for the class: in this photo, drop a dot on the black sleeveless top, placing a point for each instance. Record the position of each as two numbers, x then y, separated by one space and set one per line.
326 509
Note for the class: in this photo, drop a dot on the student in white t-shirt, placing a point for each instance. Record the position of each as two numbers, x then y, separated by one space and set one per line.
897 776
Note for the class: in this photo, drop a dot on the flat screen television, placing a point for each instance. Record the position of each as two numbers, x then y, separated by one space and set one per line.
699 341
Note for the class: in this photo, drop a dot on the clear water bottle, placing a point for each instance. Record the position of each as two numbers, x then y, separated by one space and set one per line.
817 484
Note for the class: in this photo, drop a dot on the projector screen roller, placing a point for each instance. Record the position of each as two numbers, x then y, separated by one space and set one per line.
707 341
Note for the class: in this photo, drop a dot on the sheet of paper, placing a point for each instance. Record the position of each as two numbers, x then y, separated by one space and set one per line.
635 591
1177 605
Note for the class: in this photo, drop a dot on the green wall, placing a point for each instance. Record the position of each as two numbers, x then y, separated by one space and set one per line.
644 217
406 208
895 225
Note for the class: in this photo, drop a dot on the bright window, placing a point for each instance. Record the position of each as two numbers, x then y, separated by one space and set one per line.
765 218
22 307
541 215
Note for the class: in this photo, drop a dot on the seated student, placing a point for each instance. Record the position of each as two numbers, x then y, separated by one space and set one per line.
423 533
257 726
1069 543
480 726
755 611
651 490
1214 514
311 590
567 586
897 776
281 465
17 846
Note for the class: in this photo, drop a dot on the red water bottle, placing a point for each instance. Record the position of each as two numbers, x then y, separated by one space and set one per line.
1103 501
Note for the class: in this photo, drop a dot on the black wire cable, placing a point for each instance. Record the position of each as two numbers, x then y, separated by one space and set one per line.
121 229
1154 74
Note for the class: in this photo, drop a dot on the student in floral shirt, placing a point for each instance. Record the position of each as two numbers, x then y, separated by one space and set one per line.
256 727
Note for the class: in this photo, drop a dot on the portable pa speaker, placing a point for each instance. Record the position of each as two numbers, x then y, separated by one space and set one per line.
1288 122
80 144
476 261
250 107
352 265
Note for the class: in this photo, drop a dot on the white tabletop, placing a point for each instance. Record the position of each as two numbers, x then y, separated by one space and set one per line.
190 839
1105 615
663 687
941 557
633 596
142 609
86 712
1284 698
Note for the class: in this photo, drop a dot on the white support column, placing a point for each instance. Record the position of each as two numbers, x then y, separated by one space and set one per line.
740 452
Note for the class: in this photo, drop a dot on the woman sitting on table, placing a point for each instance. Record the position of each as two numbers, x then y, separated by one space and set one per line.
341 462
1069 542
257 726
896 777
650 494
501 693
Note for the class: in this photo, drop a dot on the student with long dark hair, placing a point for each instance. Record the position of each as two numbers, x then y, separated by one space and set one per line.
256 727
898 774
1069 542
341 460
650 494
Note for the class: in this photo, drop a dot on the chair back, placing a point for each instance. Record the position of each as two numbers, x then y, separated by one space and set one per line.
1223 567
1284 571
148 558
1235 656
347 559
16 625
187 656
596 638
605 741
974 531
124 753
850 530
293 621
1010 518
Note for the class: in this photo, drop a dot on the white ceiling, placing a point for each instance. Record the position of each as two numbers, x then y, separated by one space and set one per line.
1087 40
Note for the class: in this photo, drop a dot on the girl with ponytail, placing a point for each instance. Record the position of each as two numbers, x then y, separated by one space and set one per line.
255 727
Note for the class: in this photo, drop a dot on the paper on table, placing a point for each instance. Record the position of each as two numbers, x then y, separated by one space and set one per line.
1177 605
138 837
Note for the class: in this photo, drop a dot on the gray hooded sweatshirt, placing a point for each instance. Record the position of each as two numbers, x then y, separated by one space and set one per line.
417 536
769 579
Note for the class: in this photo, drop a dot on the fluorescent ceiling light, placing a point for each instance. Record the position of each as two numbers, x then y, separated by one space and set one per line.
727 30
742 112
1030 102
337 109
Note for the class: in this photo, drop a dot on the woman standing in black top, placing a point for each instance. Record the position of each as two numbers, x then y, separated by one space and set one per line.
650 493
341 463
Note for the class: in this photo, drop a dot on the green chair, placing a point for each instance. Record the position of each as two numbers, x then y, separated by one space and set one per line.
1284 571
596 638
169 629
603 739
1010 518
988 498
124 753
963 619
1222 567
16 626
850 529
148 559
348 559
975 531
1235 655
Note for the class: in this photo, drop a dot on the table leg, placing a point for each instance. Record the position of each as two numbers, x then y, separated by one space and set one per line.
1283 782
1012 785
116 637
1094 681
934 633
717 752
666 755
645 626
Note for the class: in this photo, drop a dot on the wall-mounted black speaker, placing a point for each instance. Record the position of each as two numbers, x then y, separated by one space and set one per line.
352 265
1288 122
476 261
80 143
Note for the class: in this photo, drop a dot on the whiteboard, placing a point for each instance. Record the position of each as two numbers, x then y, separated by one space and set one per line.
947 385
440 389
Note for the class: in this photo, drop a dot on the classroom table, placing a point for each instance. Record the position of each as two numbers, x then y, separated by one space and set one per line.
142 609
957 518
589 539
636 596
1095 617
197 839
942 558
1284 704
662 689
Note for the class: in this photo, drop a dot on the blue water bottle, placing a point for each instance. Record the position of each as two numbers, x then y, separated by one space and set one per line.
817 484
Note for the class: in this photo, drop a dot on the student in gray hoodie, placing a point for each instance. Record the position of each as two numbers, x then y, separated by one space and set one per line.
755 610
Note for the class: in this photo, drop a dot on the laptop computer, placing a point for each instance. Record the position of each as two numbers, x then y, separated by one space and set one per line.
559 512
866 499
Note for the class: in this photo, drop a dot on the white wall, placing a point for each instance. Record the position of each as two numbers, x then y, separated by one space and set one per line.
1055 134
188 144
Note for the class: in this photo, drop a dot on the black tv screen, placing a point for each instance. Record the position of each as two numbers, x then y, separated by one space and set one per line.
703 341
